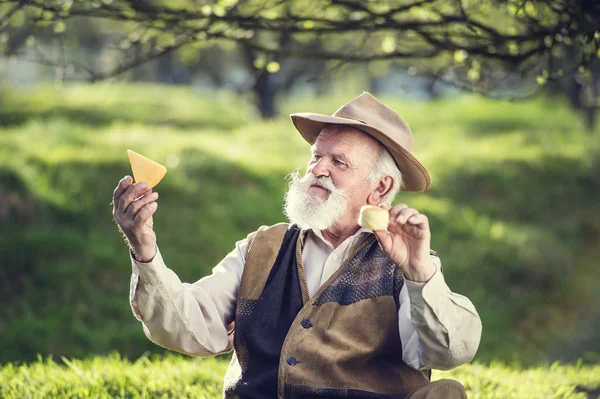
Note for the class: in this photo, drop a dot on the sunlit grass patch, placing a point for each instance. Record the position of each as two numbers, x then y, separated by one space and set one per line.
181 377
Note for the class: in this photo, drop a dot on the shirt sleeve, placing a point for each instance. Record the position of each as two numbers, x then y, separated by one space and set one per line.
439 329
184 317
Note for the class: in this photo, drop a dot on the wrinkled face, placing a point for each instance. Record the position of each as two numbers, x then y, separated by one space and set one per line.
335 185
344 155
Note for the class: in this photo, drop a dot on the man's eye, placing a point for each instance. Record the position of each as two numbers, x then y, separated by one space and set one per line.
316 157
339 163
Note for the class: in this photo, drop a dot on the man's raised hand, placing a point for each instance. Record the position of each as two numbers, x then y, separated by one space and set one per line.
134 217
406 241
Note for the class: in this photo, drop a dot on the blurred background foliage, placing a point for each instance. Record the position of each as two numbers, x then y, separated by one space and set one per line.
204 87
515 48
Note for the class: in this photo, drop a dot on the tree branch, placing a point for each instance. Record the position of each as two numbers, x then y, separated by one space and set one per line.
6 17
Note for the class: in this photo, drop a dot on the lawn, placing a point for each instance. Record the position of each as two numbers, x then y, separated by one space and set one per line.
111 377
513 208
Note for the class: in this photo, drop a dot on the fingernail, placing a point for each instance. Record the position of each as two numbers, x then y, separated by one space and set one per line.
143 186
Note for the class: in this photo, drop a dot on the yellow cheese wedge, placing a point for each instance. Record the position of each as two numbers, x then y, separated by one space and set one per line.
145 169
373 217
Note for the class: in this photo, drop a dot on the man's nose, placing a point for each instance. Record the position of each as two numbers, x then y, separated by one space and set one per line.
320 168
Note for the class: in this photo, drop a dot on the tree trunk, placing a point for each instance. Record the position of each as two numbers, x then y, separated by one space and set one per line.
264 88
582 97
590 93
137 74
162 68
265 91
169 70
590 119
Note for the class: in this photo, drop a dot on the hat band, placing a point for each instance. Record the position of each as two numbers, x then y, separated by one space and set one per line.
340 115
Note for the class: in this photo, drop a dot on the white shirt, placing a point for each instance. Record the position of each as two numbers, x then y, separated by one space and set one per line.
438 328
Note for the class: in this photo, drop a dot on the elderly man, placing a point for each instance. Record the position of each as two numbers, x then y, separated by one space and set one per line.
321 306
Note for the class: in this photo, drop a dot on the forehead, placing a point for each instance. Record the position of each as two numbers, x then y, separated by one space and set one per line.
345 140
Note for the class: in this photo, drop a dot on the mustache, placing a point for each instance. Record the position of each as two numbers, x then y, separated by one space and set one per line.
322 182
309 180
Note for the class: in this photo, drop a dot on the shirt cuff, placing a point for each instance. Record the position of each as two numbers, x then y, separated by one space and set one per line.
428 292
147 271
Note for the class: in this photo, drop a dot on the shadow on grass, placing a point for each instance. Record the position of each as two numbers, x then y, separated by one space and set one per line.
550 191
494 126
528 232
65 268
147 114
33 231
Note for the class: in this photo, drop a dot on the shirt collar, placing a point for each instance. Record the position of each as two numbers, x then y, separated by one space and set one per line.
317 233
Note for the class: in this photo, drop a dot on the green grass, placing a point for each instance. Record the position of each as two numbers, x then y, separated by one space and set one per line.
514 209
177 377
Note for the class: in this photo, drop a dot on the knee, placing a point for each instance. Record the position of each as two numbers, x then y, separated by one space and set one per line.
440 389
452 389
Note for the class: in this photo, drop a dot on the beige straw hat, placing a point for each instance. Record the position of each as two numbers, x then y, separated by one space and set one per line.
371 116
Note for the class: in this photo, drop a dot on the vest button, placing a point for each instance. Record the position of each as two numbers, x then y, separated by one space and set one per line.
292 361
306 323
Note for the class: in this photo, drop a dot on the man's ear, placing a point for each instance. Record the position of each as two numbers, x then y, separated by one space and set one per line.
384 186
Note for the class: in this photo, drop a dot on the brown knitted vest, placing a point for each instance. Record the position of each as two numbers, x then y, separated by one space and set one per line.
342 342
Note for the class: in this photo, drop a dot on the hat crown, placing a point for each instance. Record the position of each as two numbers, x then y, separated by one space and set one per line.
370 111
368 114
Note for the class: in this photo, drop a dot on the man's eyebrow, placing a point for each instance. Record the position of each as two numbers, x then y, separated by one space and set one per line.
339 156
343 157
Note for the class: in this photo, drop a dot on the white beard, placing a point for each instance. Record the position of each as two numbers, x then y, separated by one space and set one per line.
309 212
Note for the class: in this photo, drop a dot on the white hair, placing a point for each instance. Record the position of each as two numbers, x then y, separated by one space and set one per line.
386 166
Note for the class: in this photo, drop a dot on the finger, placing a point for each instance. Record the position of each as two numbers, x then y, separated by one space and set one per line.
396 210
405 214
133 192
145 213
385 206
136 205
124 183
418 219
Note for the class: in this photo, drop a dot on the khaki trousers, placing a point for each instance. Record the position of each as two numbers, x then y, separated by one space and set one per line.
440 389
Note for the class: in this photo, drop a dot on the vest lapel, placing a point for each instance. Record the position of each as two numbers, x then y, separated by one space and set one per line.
301 272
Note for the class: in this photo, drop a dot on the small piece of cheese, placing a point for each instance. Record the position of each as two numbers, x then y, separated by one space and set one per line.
373 217
145 169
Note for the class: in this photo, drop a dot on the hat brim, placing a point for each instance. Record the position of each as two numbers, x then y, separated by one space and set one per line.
414 174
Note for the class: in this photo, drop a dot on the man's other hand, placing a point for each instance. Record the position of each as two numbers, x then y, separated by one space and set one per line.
407 241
